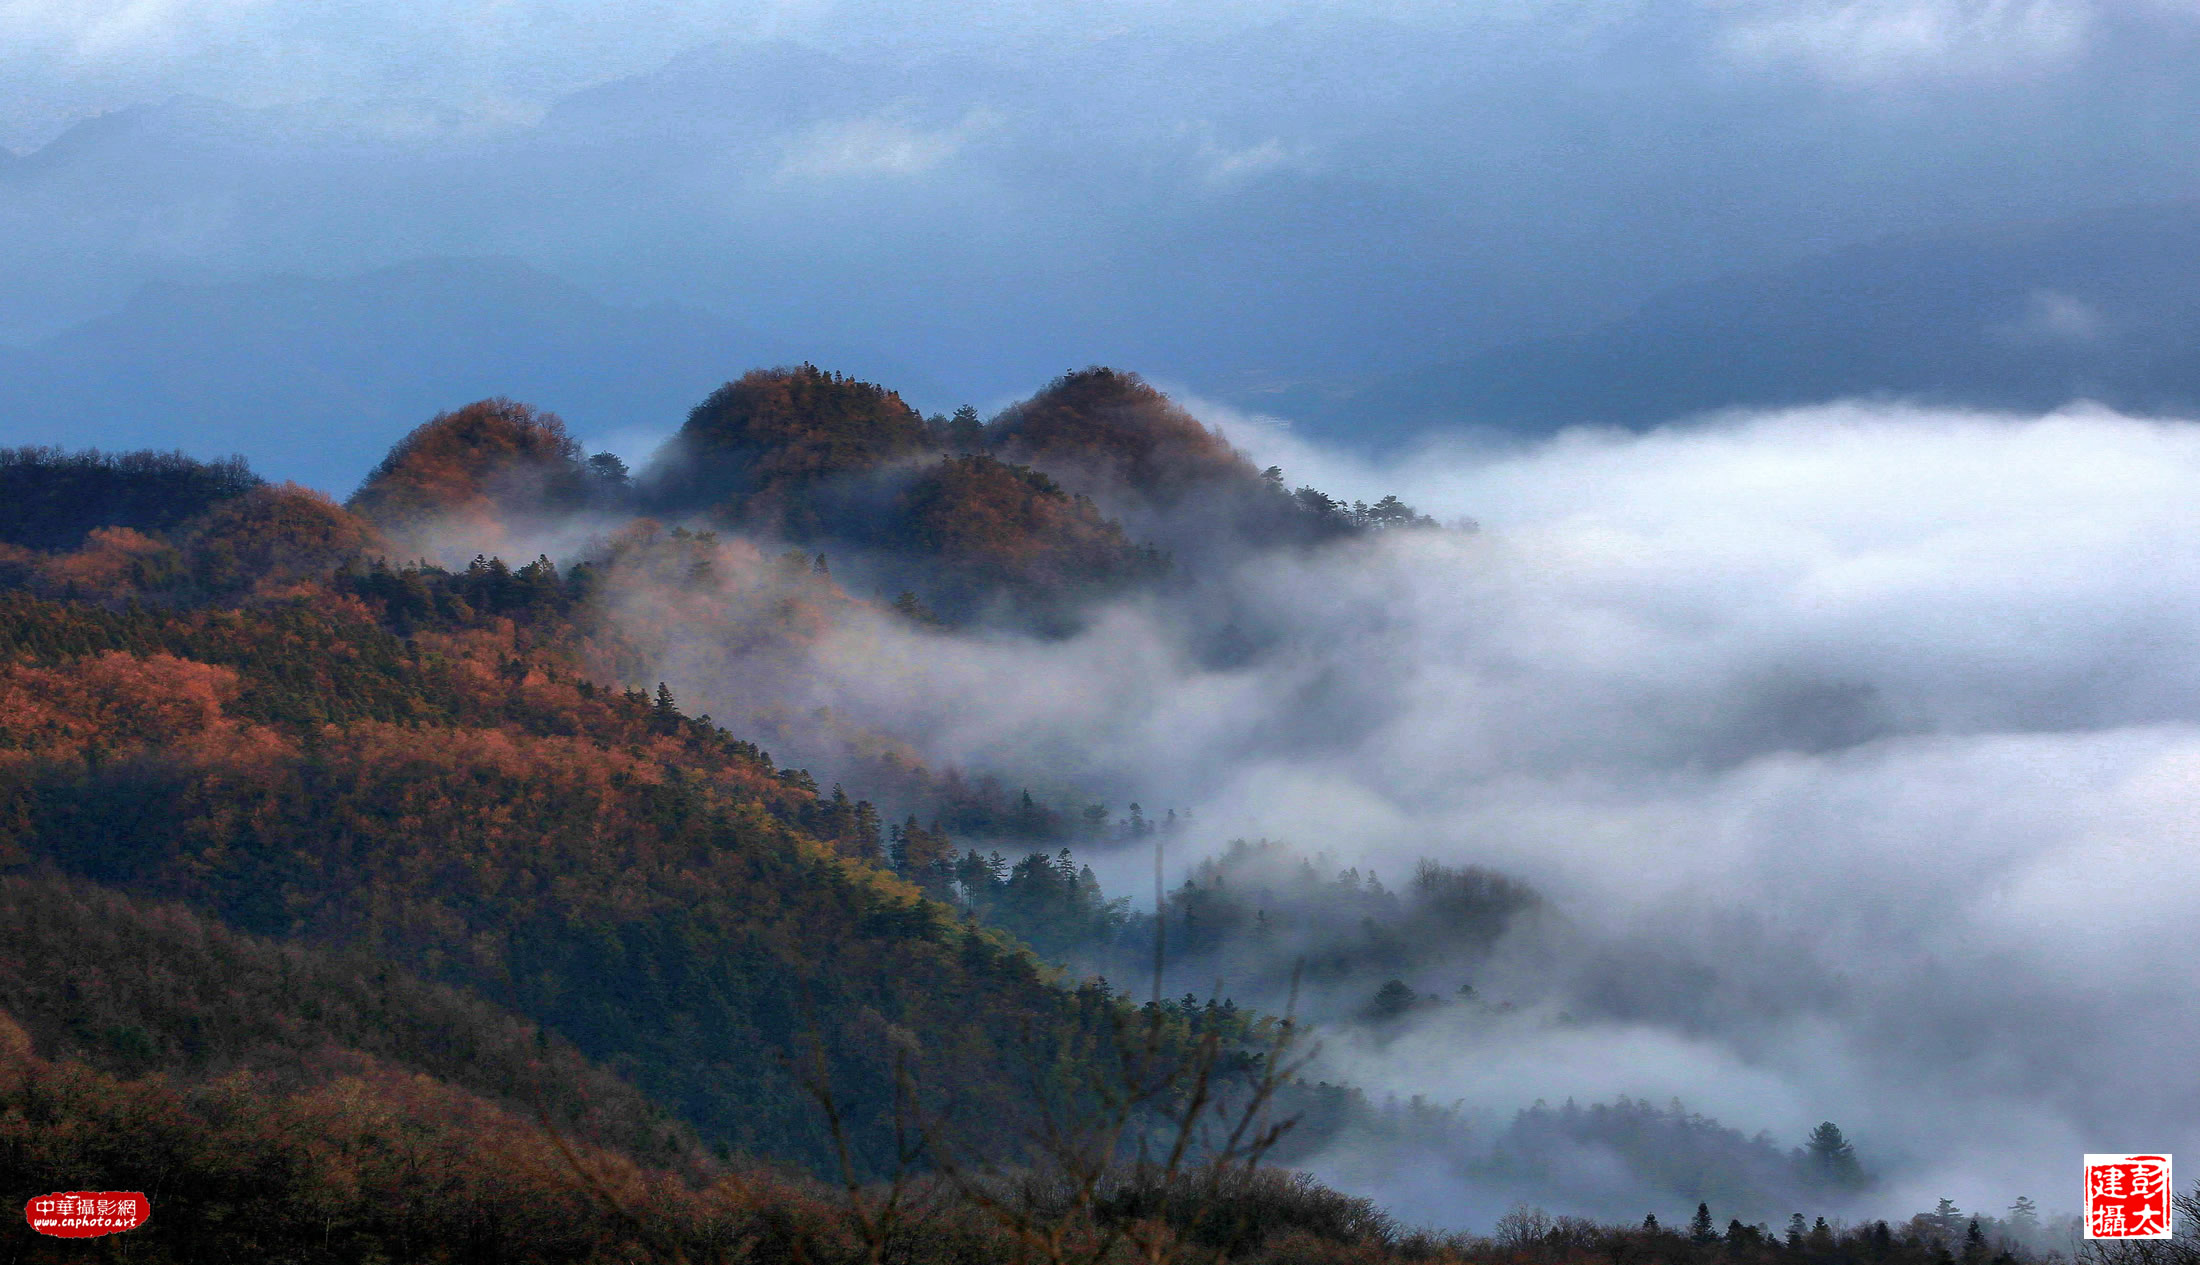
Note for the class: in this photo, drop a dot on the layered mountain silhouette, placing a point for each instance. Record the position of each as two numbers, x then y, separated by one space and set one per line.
312 377
309 376
1092 484
2023 317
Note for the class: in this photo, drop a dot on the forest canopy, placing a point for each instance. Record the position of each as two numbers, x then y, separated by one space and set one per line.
50 498
398 847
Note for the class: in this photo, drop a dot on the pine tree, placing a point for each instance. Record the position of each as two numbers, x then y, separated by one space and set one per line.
1796 1229
1700 1229
1030 822
609 470
867 829
1393 999
1831 1159
965 433
912 608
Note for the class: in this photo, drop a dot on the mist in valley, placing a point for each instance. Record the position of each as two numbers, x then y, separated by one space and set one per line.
1650 602
1830 764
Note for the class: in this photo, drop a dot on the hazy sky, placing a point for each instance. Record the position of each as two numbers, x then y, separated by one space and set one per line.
1256 199
496 63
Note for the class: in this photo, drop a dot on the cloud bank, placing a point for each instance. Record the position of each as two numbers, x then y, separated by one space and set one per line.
1857 747
260 53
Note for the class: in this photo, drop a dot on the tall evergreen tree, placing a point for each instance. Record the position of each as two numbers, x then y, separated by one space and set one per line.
1974 1244
965 433
1831 1159
1700 1229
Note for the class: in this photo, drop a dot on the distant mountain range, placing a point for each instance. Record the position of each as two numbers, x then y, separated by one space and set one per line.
2023 316
313 379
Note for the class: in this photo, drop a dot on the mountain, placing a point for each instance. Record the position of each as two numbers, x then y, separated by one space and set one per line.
49 501
1245 209
315 377
2025 316
635 881
1112 436
365 906
414 861
132 987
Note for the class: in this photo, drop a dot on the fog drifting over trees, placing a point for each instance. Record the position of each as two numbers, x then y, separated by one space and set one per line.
1851 747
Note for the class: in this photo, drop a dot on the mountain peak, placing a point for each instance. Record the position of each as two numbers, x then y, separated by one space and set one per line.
1103 430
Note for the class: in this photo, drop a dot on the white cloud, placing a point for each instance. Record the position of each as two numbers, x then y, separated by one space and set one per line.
1866 41
1882 719
108 28
878 146
1223 167
2051 317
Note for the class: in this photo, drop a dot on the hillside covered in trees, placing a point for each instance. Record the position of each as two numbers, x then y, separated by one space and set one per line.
1096 484
367 891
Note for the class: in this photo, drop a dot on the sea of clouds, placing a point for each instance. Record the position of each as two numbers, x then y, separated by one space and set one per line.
1857 748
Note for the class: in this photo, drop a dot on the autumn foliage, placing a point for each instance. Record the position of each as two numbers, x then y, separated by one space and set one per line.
1106 431
365 907
766 451
984 524
462 462
479 813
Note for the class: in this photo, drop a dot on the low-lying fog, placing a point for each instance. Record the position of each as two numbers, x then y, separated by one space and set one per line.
1857 749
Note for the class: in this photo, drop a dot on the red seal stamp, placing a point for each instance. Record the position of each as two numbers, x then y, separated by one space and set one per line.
2127 1196
85 1214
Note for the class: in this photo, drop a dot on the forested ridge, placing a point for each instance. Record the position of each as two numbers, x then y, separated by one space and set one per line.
638 881
359 903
